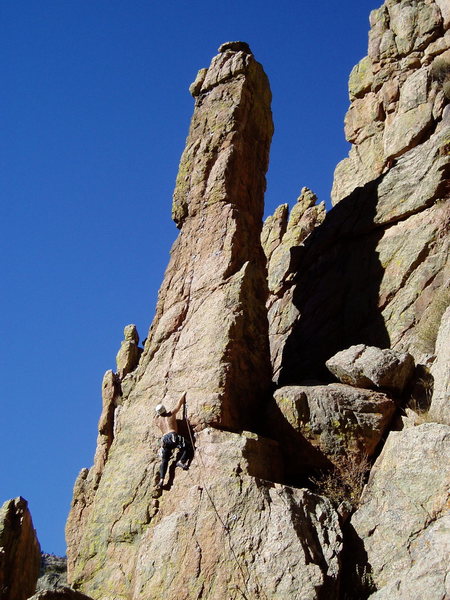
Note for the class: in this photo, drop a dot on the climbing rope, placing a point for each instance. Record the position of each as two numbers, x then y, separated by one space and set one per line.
221 521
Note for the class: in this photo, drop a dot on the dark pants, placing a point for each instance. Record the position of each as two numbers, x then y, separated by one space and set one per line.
170 441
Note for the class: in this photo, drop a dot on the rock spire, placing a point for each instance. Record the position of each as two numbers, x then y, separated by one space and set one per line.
208 338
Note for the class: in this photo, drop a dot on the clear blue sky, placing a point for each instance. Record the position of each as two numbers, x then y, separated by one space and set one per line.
94 112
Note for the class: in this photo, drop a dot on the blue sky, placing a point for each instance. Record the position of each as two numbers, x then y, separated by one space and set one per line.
94 113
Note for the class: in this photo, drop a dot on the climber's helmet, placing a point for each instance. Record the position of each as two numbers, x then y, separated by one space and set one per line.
160 409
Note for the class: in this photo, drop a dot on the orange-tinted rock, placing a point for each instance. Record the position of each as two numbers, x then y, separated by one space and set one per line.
20 553
208 339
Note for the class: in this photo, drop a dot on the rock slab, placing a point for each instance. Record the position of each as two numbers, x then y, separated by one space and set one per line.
20 553
404 515
369 367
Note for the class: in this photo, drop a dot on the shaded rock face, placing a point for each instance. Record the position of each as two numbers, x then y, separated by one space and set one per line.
60 593
404 515
282 236
20 554
209 338
53 572
377 271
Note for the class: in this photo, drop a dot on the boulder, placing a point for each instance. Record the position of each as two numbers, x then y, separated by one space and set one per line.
20 553
403 518
369 367
336 419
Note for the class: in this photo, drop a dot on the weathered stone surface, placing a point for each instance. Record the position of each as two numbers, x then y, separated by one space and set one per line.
392 93
218 528
372 272
273 229
210 319
20 554
361 78
404 131
52 573
337 419
127 358
403 518
60 593
281 237
445 11
369 367
440 402
208 338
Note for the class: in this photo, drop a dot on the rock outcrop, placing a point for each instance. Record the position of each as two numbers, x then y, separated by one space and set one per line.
368 367
404 515
60 593
440 371
209 338
336 418
362 289
282 236
20 553
53 572
127 358
377 271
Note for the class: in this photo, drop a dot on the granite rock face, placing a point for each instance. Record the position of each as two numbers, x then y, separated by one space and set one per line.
395 102
53 572
20 553
236 534
377 271
440 402
209 338
282 236
336 419
128 356
210 318
373 274
59 593
404 515
369 367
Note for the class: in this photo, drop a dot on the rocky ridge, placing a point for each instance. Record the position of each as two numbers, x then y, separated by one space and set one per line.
271 505
350 295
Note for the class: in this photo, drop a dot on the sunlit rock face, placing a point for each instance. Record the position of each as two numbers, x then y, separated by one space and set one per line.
370 278
209 338
20 553
404 518
377 270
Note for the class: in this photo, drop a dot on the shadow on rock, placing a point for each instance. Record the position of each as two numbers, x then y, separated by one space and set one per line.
337 288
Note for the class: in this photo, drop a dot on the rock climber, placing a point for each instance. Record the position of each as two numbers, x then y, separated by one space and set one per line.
171 439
